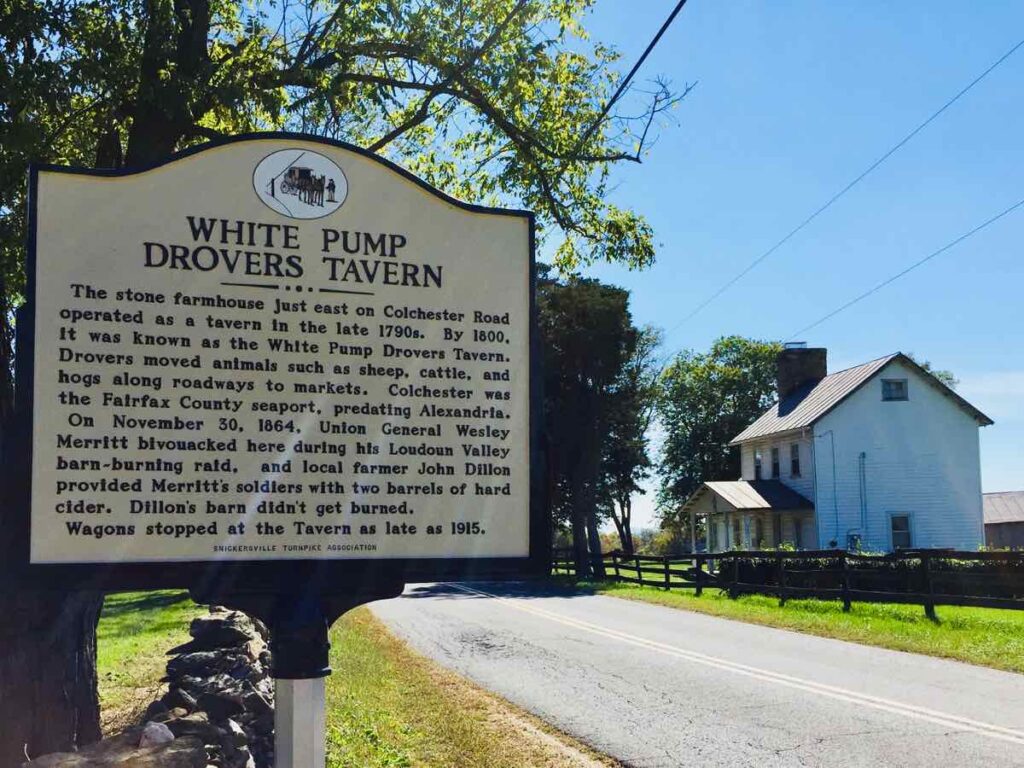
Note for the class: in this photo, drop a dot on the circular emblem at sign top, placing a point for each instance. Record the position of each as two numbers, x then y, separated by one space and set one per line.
300 183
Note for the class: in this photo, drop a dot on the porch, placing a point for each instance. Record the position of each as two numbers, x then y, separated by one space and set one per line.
758 514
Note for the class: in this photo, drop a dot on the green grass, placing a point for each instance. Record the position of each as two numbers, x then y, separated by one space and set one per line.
387 707
135 631
984 636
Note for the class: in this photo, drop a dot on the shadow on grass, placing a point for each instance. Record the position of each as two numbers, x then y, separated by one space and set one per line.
121 603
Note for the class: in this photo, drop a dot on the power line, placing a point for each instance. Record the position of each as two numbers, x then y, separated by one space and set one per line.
896 147
629 77
911 268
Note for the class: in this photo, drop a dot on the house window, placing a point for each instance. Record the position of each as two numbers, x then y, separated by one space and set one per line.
735 533
798 538
900 525
794 460
894 389
758 532
775 462
757 464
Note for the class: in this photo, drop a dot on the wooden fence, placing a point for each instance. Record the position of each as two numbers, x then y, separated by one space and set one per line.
922 577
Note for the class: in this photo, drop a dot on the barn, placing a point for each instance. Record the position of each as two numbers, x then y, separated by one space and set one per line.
1004 519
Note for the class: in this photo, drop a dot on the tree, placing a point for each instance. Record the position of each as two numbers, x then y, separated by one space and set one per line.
707 400
947 377
490 100
624 460
587 338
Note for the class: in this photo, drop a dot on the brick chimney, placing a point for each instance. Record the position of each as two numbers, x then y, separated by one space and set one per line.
798 365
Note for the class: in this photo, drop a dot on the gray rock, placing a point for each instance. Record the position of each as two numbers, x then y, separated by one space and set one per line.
205 664
219 683
236 734
263 725
221 705
155 711
223 630
177 698
198 725
155 734
256 703
261 629
241 758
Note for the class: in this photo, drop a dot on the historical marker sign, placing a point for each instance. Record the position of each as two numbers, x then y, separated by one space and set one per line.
276 349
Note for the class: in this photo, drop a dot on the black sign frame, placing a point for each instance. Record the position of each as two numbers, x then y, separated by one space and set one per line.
327 575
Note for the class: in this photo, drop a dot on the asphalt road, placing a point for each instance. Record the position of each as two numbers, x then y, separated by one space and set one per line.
654 686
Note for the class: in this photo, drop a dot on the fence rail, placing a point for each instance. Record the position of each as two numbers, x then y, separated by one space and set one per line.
926 577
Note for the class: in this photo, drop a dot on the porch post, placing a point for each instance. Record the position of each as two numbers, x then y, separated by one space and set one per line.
693 531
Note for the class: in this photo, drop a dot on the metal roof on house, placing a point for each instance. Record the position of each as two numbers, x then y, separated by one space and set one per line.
809 403
754 494
1005 507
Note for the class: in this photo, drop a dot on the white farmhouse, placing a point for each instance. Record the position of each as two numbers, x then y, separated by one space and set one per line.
881 456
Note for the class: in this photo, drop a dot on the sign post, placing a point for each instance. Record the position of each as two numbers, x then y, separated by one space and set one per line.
285 374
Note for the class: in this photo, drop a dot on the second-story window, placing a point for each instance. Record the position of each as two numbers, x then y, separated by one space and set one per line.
757 464
794 460
775 462
894 389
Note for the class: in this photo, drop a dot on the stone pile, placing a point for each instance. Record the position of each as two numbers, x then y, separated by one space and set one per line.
218 710
220 690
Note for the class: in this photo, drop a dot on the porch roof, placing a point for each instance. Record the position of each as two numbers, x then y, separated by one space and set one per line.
770 495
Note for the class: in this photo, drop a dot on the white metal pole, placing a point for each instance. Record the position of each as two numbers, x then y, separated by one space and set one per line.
300 723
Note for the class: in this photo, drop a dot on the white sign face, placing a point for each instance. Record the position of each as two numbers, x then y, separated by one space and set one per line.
276 349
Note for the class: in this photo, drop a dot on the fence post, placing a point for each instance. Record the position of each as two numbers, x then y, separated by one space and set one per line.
926 570
639 573
846 582
782 580
615 565
667 581
734 592
698 564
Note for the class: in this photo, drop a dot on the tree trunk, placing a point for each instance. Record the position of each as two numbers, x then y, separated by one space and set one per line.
48 682
48 699
580 549
621 533
594 540
586 479
623 524
165 108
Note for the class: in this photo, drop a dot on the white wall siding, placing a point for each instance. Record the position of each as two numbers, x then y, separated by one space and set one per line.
747 461
802 484
920 457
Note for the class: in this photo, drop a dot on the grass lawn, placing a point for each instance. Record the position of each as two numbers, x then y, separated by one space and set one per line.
984 636
136 629
386 706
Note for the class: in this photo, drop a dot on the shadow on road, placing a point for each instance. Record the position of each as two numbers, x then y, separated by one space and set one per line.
445 590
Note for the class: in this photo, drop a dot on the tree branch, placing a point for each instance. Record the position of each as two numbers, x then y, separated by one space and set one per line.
423 111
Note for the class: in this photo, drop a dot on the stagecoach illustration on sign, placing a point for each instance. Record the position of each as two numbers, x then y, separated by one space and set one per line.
303 183
300 183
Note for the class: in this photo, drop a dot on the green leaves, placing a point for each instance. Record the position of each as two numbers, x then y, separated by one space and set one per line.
487 99
708 399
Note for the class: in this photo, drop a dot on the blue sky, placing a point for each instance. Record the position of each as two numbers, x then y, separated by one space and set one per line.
795 99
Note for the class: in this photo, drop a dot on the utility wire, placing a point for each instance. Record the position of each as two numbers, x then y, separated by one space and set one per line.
912 267
896 147
628 78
